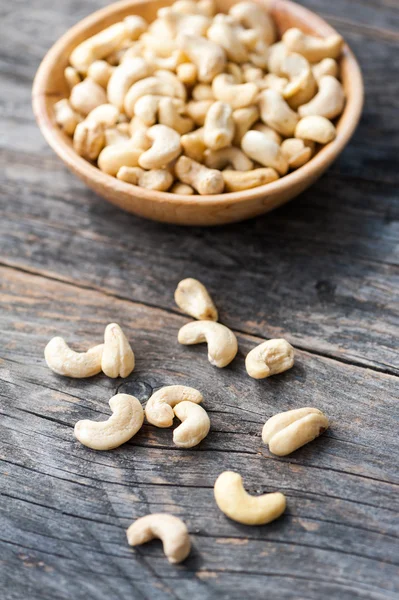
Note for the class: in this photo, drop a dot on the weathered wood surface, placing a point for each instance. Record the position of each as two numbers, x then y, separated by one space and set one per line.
322 271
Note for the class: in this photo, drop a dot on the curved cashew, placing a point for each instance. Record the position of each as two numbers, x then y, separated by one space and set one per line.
198 109
155 179
296 152
193 144
315 128
66 117
311 47
89 139
276 54
124 423
302 85
192 297
187 73
192 7
265 151
272 82
171 530
146 109
237 504
165 147
99 46
118 357
114 136
100 71
105 114
269 358
195 425
288 431
223 34
222 343
208 57
156 86
182 189
254 16
194 24
202 91
136 26
203 180
237 181
276 113
159 408
268 132
122 154
328 102
243 119
235 71
72 77
123 77
87 95
237 95
219 159
169 113
64 361
327 66
219 126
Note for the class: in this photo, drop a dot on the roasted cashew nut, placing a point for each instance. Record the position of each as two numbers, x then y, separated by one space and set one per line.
288 431
169 529
64 361
237 95
117 357
159 408
192 297
222 343
126 420
311 47
238 181
238 505
265 151
195 424
328 102
269 358
165 148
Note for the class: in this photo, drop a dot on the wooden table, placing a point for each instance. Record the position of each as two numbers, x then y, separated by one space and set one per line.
322 272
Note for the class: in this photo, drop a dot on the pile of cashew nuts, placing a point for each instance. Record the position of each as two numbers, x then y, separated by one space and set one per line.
283 433
201 103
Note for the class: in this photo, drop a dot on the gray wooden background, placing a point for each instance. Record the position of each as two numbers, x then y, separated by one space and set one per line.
321 271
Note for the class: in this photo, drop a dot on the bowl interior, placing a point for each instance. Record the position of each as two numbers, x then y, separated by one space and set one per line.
50 86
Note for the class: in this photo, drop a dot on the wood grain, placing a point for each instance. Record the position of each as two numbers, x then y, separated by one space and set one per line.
323 272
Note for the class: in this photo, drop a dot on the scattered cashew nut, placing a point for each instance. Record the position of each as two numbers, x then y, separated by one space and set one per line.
315 128
311 47
118 357
159 408
165 147
222 343
269 358
192 297
328 102
194 427
259 147
171 530
64 361
288 431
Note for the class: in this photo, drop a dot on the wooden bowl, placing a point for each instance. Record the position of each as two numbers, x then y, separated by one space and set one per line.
49 86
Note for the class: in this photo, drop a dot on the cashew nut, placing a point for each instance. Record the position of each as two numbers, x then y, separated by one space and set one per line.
288 431
315 128
328 102
194 24
187 73
200 7
158 86
123 154
195 424
169 113
235 71
202 91
222 343
100 71
327 66
126 419
311 47
269 358
192 297
296 152
99 46
208 57
87 95
105 114
268 132
243 119
254 16
302 85
182 189
272 82
136 25
193 144
155 179
265 151
165 147
238 505
159 408
72 77
118 357
219 159
275 56
203 180
124 76
146 109
276 113
114 136
65 116
237 95
89 139
237 181
219 126
223 34
64 361
198 109
171 530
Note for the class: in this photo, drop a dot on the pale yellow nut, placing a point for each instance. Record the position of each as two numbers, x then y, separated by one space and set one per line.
231 156
208 57
251 73
66 117
270 133
100 71
170 114
155 179
105 114
223 34
169 529
194 24
302 85
311 47
238 181
201 7
327 66
265 151
276 113
237 95
114 136
275 56
187 73
146 109
89 139
243 119
203 91
129 174
193 144
165 147
235 71
328 102
296 152
192 297
118 357
288 431
269 358
238 505
222 343
219 126
203 180
194 427
72 77
126 420
87 95
159 408
157 86
123 154
253 15
272 82
182 189
99 46
136 26
64 361
123 77
198 109
317 129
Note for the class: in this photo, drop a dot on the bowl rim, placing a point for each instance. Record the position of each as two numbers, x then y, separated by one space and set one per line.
346 125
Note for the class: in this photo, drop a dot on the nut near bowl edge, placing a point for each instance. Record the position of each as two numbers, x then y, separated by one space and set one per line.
50 86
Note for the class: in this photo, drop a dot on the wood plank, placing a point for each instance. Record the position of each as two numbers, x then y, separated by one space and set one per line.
65 508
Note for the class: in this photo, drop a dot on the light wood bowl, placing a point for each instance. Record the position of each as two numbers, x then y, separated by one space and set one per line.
50 85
